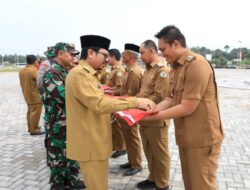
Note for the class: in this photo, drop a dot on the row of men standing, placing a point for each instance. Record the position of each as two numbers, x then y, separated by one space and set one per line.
50 80
152 84
190 98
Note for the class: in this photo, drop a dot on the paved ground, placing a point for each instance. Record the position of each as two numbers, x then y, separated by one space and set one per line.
22 157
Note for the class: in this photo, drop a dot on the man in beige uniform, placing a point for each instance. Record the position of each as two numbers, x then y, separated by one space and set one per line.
28 78
193 104
114 80
102 75
89 137
116 76
154 134
131 87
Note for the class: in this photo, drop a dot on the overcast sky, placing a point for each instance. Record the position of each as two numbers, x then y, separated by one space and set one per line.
29 26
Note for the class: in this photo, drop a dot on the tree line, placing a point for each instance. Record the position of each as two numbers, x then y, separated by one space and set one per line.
219 57
222 57
11 59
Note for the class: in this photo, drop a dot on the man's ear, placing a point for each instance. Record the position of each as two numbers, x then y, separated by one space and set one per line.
176 44
90 52
60 53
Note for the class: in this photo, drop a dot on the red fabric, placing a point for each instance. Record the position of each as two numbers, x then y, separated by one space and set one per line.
132 116
105 88
45 64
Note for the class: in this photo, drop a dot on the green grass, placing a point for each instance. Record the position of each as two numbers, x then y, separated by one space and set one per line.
9 69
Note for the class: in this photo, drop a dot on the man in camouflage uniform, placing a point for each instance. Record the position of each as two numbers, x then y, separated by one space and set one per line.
64 172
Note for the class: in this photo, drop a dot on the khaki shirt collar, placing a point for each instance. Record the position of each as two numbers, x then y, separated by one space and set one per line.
117 65
132 67
157 62
182 59
86 65
153 63
29 65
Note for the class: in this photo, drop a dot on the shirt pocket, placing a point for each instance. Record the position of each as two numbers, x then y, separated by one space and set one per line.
179 90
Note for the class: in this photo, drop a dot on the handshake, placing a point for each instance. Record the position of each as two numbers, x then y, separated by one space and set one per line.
146 104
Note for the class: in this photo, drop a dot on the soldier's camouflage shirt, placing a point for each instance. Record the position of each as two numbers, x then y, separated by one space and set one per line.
54 100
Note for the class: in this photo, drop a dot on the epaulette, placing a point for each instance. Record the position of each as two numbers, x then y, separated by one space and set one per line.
160 64
86 68
129 69
190 58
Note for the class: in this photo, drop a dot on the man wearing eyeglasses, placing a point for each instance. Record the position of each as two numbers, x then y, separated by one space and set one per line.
89 135
64 172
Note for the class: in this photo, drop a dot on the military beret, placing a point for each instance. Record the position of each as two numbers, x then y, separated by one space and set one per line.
132 47
94 41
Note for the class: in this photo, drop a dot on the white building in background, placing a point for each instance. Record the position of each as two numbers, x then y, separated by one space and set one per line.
208 57
19 65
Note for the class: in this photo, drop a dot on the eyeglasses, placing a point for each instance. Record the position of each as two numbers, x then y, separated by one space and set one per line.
106 56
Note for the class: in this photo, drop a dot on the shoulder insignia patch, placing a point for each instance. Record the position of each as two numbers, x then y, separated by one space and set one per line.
190 58
119 74
163 74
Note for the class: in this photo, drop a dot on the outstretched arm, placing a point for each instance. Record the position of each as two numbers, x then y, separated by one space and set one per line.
186 107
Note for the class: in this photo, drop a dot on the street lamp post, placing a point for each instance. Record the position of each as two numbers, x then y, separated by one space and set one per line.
240 54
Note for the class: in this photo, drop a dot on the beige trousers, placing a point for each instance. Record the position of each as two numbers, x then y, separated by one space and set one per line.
199 167
33 117
95 174
133 144
155 145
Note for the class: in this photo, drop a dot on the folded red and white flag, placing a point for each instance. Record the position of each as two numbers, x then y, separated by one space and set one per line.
105 88
132 116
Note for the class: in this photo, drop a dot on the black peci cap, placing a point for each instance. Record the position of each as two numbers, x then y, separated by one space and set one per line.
132 47
94 41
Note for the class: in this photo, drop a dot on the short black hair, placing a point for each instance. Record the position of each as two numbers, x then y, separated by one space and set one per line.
116 53
171 33
150 44
31 59
84 52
